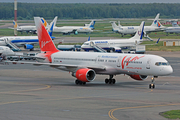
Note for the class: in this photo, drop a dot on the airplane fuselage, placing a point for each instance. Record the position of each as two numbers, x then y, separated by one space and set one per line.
70 29
172 30
19 40
109 44
26 28
133 29
115 63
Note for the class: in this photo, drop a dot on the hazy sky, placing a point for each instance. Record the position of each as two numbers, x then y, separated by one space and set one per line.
94 1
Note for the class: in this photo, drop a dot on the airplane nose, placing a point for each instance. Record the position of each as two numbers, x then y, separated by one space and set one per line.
169 70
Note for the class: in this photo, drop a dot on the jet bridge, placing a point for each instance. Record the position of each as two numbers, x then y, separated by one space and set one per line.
97 48
11 45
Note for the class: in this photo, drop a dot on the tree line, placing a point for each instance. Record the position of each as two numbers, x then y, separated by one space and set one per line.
89 11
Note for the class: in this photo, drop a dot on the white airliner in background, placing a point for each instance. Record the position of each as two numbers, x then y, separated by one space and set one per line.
123 30
65 30
174 29
28 29
116 45
28 42
5 51
85 65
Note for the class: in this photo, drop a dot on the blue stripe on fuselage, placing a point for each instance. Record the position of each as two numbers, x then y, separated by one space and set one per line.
30 40
87 49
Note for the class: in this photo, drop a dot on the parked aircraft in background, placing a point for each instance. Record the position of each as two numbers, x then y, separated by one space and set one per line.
28 42
65 30
123 30
4 50
27 29
85 65
174 29
116 44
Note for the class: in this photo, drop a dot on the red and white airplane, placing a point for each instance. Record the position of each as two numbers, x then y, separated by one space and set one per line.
85 65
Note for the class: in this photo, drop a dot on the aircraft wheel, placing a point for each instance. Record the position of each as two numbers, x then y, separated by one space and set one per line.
149 86
113 81
77 82
106 81
80 82
110 81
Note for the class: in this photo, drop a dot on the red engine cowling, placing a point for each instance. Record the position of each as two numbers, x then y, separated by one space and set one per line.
85 75
139 77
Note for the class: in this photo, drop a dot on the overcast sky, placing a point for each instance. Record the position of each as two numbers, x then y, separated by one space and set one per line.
94 1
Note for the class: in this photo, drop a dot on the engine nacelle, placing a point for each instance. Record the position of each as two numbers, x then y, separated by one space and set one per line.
117 49
28 46
75 32
139 77
85 75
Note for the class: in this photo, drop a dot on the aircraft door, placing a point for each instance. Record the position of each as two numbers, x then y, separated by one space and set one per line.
148 64
119 61
97 59
91 44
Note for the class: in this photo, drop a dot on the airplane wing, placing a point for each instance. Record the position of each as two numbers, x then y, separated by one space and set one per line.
67 31
11 28
154 43
68 66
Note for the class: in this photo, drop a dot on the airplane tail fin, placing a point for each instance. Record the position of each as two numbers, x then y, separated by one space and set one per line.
15 24
44 22
119 24
156 22
51 26
113 23
45 42
139 32
92 23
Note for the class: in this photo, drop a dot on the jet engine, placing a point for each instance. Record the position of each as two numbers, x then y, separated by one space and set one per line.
116 49
139 77
85 75
75 32
28 46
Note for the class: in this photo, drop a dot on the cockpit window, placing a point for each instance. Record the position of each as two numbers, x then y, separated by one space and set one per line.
86 43
1 40
161 63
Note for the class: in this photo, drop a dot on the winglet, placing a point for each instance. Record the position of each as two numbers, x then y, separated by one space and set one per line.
157 41
92 23
45 42
89 38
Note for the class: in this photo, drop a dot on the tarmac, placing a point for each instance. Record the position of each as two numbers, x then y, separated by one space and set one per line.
40 92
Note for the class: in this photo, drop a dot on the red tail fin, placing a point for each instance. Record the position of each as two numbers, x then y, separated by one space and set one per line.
45 42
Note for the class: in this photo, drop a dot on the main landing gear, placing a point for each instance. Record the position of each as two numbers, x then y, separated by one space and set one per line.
152 85
78 82
110 80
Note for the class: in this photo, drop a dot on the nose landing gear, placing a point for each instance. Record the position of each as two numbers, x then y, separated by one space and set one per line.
152 85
